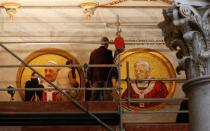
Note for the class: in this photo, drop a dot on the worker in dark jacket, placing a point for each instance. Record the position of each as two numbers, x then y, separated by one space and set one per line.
100 76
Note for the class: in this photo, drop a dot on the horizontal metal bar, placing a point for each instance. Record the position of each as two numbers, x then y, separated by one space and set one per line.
50 42
14 66
51 113
156 100
152 122
156 79
102 65
72 65
155 112
179 80
70 42
79 23
94 25
51 89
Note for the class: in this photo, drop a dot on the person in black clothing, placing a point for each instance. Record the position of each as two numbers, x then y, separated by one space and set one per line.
183 117
99 76
33 83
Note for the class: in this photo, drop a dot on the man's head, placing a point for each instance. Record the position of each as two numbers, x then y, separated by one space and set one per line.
142 69
35 78
105 41
34 75
51 72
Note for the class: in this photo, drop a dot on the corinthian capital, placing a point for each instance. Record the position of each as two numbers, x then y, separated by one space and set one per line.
186 28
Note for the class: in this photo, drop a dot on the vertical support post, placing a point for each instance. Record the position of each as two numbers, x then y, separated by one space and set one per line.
128 81
120 93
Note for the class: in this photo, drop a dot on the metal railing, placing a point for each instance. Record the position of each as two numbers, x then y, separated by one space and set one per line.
121 110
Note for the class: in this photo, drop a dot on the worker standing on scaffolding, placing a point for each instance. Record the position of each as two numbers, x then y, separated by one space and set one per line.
99 76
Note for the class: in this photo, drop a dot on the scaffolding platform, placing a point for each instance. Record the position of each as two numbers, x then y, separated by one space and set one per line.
127 127
51 113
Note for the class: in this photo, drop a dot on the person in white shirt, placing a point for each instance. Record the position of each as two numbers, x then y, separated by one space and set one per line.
66 79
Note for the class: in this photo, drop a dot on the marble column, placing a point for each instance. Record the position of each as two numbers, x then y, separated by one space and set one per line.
198 92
